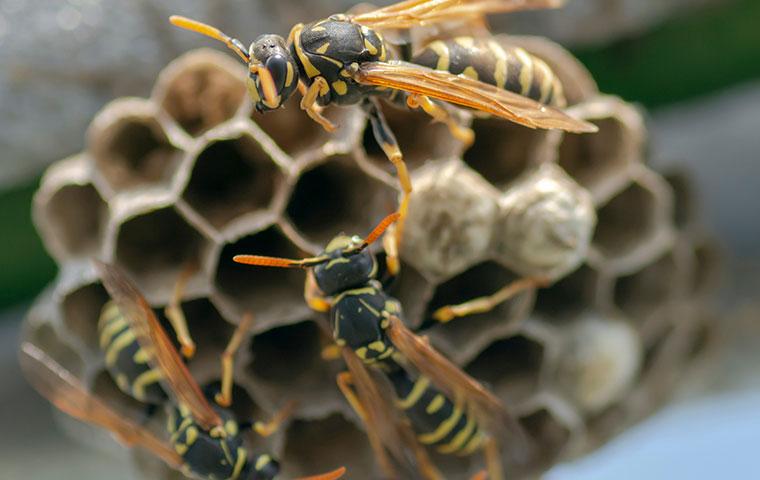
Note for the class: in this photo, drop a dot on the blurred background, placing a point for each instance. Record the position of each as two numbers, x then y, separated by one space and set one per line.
694 65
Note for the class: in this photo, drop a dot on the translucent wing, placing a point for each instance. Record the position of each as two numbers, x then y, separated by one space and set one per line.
386 431
412 13
456 384
161 352
466 92
65 391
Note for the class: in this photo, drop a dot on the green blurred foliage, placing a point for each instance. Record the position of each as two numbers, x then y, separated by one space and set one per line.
685 58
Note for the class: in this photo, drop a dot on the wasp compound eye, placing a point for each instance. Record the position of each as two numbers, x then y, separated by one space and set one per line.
278 68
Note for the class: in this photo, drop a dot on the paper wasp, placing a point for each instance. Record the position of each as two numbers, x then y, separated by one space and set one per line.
205 437
345 60
447 409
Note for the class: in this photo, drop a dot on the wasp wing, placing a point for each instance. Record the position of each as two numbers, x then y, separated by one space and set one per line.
466 92
458 385
153 339
413 13
67 393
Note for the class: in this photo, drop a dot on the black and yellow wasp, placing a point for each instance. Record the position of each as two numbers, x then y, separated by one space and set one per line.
448 410
345 60
205 438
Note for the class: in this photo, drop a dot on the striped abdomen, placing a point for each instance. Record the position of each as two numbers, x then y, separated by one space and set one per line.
487 60
436 420
125 360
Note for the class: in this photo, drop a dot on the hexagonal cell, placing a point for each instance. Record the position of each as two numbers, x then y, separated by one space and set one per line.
511 367
81 312
640 293
336 196
155 246
504 150
462 338
287 365
201 90
627 221
419 138
684 204
598 161
548 431
131 148
322 445
210 331
568 296
412 290
75 216
273 295
232 177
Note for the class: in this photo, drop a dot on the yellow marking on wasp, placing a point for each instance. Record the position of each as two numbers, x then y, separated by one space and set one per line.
466 42
385 323
356 291
262 461
110 329
323 48
141 356
419 388
120 343
457 442
339 260
318 28
324 89
473 444
500 74
435 404
226 450
289 75
311 70
170 420
362 352
239 462
337 63
383 52
183 410
345 73
370 48
231 427
442 50
341 342
443 429
369 307
526 73
391 306
546 83
180 448
186 422
253 92
470 73
191 435
143 380
123 382
377 346
109 312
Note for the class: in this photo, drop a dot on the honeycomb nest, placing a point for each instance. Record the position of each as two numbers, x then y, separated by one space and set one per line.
193 174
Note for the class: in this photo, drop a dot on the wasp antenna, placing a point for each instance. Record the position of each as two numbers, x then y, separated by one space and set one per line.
194 26
277 262
379 229
335 474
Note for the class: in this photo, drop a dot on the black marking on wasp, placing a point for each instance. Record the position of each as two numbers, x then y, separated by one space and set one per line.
344 60
205 439
447 409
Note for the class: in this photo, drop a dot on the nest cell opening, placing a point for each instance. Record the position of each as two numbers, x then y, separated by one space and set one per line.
592 158
203 96
322 445
569 295
81 312
210 331
272 295
243 406
134 152
547 431
285 354
231 178
76 214
511 367
418 138
626 221
641 293
156 246
336 196
502 150
45 337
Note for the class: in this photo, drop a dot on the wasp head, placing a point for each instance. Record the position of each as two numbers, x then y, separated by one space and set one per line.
273 74
349 265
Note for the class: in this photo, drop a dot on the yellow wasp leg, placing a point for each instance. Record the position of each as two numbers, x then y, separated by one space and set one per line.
493 460
176 316
224 398
487 303
463 134
266 429
309 103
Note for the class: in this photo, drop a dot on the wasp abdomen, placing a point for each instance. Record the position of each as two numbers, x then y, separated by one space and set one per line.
487 60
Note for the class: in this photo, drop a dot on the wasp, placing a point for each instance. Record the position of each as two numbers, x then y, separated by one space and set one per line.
205 438
345 60
447 409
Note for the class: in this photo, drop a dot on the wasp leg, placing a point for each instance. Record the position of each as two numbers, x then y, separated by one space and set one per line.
392 264
313 295
481 475
487 303
309 103
387 141
224 398
173 312
463 134
266 429
493 460
345 381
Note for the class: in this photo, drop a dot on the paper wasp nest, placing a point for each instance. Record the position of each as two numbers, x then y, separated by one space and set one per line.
193 175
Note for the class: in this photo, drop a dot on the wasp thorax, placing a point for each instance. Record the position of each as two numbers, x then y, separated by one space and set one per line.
263 467
347 267
270 52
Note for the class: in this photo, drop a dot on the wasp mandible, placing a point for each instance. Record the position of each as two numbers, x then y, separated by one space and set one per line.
345 60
